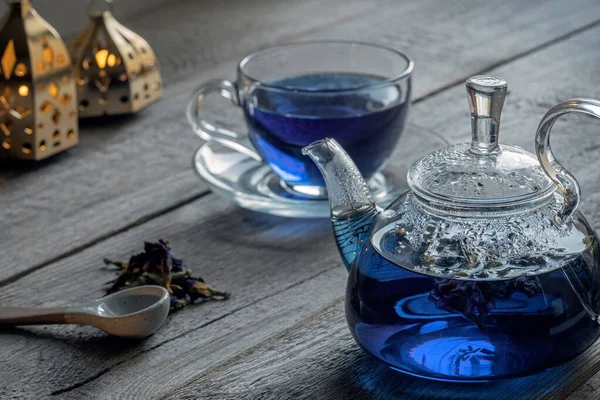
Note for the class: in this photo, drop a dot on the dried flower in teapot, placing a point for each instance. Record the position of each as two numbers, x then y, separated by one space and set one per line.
476 299
156 266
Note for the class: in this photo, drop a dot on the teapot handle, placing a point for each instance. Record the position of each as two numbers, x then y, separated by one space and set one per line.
563 178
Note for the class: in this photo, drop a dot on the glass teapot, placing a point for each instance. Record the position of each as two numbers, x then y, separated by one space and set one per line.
484 269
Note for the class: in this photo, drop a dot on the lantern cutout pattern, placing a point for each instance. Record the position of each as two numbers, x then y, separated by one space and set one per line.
38 109
116 70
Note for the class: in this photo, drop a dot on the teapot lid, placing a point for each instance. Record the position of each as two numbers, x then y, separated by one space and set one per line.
482 174
485 211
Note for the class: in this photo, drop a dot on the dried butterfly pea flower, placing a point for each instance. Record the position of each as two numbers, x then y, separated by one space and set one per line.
476 299
156 266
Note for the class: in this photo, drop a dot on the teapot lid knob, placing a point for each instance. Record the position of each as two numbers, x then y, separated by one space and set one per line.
486 97
483 175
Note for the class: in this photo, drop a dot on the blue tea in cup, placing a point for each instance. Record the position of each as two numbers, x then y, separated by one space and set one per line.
297 93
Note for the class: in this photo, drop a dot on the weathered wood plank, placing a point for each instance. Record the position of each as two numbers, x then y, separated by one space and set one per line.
194 36
252 255
589 390
165 370
71 17
71 356
49 205
318 359
466 38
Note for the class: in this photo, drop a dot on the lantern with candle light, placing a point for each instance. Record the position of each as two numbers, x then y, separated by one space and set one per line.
116 70
38 114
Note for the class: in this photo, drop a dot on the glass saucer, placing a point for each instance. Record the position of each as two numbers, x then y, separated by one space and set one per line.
253 185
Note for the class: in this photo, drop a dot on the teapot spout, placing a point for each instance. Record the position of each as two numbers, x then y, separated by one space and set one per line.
353 210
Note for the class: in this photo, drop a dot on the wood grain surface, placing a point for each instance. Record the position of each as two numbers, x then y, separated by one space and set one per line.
128 169
70 17
317 359
254 256
282 334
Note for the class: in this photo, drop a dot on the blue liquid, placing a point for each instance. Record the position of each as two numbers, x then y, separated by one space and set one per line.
469 330
367 123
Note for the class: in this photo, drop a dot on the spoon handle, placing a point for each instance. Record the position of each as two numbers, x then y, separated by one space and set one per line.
32 316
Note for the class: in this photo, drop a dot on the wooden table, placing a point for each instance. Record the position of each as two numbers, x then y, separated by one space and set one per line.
282 334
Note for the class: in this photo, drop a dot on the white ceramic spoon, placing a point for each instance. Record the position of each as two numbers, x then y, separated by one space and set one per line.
134 313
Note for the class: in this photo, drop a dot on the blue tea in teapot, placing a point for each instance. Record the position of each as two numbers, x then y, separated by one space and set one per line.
484 269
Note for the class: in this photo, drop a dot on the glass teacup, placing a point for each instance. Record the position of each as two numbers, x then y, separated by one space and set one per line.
297 93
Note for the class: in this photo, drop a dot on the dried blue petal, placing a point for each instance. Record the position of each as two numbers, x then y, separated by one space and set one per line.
156 266
476 299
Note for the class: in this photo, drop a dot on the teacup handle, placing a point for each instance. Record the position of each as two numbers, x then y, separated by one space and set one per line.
208 131
563 178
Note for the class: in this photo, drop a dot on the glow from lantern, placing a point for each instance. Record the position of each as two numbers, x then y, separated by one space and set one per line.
111 61
102 57
48 55
9 59
53 89
20 69
23 91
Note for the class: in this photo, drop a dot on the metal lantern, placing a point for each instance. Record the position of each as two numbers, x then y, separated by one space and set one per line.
38 109
116 70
